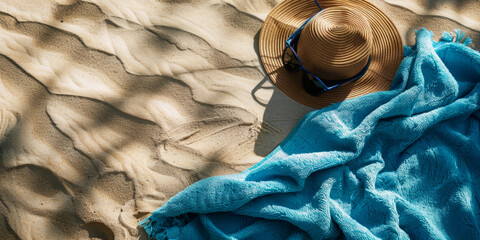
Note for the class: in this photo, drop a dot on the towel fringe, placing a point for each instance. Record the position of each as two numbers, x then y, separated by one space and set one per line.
162 228
459 38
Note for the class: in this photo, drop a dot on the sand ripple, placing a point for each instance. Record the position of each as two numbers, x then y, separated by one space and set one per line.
109 108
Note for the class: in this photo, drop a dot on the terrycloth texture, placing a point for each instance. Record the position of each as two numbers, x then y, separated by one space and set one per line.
403 164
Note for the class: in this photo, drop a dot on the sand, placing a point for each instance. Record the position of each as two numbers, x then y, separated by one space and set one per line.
109 108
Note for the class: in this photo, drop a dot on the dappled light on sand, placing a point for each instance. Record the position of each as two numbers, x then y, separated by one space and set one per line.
109 108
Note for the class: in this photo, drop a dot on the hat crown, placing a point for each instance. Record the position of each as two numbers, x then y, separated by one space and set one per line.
336 43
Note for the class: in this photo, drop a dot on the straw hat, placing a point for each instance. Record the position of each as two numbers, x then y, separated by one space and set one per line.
335 44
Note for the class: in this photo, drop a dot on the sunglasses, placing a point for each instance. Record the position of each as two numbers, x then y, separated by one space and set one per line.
312 84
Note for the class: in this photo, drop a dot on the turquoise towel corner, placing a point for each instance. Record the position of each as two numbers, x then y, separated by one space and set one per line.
398 164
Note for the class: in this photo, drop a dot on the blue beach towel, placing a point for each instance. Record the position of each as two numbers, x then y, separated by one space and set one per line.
398 164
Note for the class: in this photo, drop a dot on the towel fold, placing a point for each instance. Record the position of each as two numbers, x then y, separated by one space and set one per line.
398 164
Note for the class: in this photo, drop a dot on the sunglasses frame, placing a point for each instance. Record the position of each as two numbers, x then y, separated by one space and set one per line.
291 44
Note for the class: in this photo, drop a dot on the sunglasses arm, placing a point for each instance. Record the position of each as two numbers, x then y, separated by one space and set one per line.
318 5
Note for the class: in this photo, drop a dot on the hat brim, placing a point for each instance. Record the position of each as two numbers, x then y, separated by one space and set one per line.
285 18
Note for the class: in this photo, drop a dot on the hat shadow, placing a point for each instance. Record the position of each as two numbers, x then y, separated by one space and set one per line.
281 114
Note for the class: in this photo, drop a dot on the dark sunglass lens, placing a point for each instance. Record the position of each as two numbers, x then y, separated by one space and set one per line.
290 61
295 41
311 85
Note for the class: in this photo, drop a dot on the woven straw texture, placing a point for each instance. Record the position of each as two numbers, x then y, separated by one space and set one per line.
335 46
